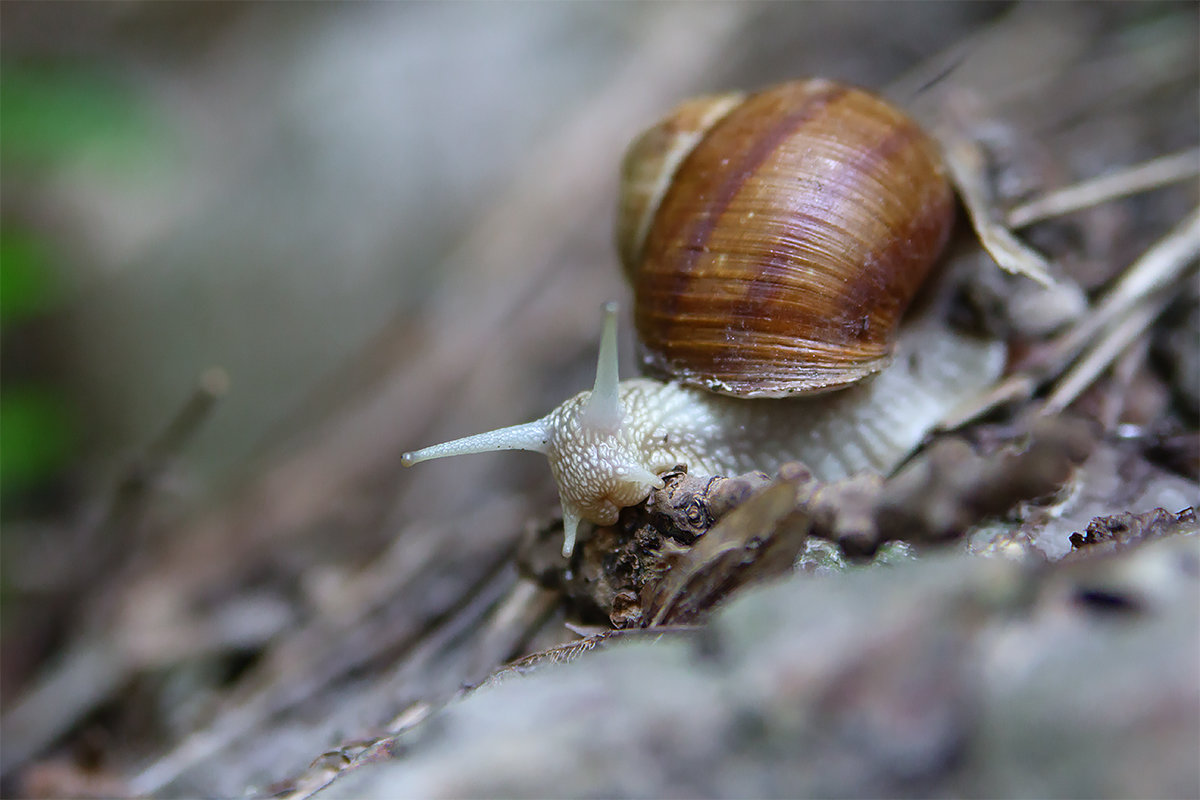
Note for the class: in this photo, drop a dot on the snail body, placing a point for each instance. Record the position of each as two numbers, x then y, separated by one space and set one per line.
773 243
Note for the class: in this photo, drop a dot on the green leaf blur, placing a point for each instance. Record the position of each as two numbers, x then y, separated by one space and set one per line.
50 112
26 282
35 436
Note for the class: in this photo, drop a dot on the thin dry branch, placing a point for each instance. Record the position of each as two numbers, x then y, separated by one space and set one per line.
96 666
1153 174
965 160
1125 312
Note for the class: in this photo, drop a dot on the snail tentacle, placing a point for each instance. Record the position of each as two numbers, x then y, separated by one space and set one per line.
603 408
531 436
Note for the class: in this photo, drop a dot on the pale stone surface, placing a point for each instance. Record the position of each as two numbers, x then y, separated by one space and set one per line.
953 675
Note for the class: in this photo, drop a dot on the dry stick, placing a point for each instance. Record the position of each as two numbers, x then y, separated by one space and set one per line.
965 160
76 683
1050 38
287 680
1104 352
1158 172
98 665
1125 372
132 488
210 388
240 717
1156 269
1145 285
1013 389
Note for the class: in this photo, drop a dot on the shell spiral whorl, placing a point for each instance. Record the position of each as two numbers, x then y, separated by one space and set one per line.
792 231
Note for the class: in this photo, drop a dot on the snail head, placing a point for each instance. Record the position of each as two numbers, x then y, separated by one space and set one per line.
593 449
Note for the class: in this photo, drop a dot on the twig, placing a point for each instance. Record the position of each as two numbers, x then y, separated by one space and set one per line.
965 160
1145 283
212 385
1015 388
98 665
308 662
132 487
88 673
1103 353
1125 372
1152 174
1156 269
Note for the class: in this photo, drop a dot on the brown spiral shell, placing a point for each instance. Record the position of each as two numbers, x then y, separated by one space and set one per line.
775 240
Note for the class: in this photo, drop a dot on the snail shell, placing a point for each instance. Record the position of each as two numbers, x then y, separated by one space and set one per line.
774 240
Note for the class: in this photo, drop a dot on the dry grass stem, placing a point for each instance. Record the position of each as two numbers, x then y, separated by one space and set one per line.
1131 306
1153 174
1098 358
967 165
1157 269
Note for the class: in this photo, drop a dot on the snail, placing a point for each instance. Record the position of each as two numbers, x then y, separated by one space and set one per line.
773 242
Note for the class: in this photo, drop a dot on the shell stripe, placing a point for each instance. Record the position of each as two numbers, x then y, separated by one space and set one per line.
861 233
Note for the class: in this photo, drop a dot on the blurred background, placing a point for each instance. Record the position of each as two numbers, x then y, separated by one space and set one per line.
265 187
358 228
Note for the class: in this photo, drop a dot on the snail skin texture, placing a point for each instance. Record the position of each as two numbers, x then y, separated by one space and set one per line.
773 242
607 447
